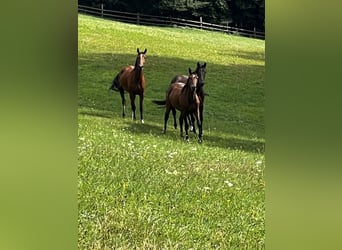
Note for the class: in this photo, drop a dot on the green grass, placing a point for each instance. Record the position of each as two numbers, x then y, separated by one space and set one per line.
141 189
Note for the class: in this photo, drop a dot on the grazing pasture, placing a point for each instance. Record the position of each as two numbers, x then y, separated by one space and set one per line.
141 189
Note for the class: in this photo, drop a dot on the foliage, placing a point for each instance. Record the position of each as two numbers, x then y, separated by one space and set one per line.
141 189
242 13
248 13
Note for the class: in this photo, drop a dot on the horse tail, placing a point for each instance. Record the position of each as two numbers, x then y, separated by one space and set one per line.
116 82
159 102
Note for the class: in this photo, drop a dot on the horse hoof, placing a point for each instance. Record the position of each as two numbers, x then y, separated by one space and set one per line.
142 121
200 140
163 132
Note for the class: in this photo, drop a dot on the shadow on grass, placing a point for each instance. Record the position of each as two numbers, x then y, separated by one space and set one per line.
235 143
208 140
95 112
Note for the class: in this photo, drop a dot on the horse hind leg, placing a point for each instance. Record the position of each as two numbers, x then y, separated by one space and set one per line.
166 117
183 119
123 101
174 118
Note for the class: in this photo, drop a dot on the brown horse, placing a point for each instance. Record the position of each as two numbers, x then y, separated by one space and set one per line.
182 96
131 79
201 72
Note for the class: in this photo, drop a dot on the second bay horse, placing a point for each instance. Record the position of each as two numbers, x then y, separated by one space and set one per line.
201 72
182 96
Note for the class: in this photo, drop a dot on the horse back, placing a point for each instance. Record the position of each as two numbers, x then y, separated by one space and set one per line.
179 78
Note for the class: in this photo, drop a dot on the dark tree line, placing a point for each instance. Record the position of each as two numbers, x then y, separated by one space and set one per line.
239 13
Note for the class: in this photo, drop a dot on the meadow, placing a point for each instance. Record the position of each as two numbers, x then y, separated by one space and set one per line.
141 189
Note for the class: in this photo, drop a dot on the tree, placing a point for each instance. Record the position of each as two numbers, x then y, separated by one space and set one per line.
248 13
243 13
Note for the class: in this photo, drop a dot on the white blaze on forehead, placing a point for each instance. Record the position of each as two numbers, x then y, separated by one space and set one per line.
141 57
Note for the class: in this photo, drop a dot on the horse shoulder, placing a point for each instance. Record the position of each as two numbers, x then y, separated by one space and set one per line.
126 71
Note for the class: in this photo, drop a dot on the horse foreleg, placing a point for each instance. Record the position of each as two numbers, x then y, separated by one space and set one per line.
141 99
132 97
199 119
201 107
185 118
123 102
191 120
181 119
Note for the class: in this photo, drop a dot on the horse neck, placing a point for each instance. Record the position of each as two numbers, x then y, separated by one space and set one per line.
138 71
188 92
200 91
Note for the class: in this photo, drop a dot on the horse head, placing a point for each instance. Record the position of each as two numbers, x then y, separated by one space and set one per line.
192 80
200 71
140 61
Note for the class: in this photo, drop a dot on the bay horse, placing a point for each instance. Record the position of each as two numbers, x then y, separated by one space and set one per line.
201 72
182 96
131 79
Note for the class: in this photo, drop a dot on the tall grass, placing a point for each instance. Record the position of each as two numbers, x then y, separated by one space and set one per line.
141 189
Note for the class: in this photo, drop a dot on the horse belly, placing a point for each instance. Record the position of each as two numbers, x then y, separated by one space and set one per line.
176 99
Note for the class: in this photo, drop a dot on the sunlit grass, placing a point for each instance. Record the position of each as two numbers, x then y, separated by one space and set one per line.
139 188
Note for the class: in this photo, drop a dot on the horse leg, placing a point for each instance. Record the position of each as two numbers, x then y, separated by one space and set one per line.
186 127
141 100
192 122
181 120
166 117
188 118
132 97
200 123
123 102
174 118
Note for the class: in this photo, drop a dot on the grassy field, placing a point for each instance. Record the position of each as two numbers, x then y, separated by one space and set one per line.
141 189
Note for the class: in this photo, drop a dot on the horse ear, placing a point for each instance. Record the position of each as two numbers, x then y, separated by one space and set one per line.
138 50
189 70
205 64
145 51
198 64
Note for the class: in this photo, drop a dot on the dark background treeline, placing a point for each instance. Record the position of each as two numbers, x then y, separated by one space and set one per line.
247 14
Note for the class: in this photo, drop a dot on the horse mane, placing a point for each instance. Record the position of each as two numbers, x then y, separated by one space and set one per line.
136 63
187 87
